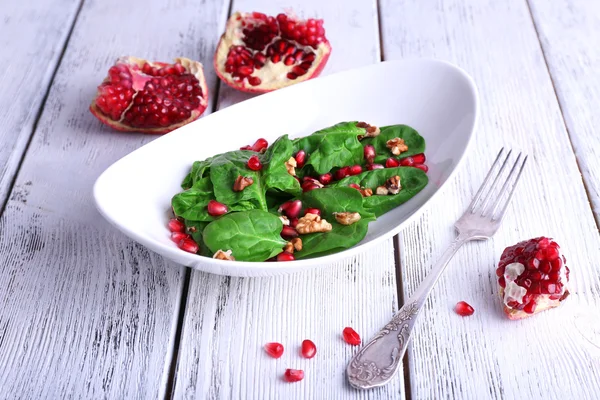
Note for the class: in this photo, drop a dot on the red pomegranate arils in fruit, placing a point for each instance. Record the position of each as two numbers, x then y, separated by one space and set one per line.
309 350
289 232
369 153
300 158
392 163
216 209
254 163
285 256
151 97
291 208
176 225
350 336
188 245
177 237
274 349
312 211
464 309
325 179
293 375
259 53
422 167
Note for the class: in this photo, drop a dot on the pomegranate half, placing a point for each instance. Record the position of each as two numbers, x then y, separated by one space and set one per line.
151 97
259 53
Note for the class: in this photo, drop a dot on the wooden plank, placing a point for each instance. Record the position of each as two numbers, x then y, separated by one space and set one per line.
568 32
84 311
33 36
486 355
228 320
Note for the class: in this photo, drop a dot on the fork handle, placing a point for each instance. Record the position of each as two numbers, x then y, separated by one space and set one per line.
377 362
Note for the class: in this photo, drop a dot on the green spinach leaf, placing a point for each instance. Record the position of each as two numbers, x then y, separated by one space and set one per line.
274 172
414 141
192 203
195 229
337 199
339 238
199 170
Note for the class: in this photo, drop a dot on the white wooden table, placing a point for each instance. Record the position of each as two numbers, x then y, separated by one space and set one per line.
87 313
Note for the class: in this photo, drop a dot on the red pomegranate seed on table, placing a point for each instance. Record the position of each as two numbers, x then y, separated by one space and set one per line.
254 163
291 208
300 158
350 336
309 350
177 237
176 225
369 153
189 245
274 349
464 309
312 211
293 375
371 167
355 170
216 209
422 167
392 163
289 232
285 256
325 179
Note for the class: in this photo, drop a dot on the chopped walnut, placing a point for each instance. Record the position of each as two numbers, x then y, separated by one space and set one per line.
393 185
366 192
291 165
372 130
293 245
397 146
382 191
242 182
191 229
311 223
223 255
347 218
284 220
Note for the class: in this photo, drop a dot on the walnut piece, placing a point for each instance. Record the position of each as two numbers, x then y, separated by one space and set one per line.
393 185
242 182
311 223
372 130
396 145
347 218
284 220
223 255
382 191
366 192
291 165
293 245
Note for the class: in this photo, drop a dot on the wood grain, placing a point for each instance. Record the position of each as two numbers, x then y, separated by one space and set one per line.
486 355
84 311
568 32
228 320
32 36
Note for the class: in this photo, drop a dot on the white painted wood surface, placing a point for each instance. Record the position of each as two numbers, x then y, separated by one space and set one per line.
84 311
32 36
486 355
568 32
228 320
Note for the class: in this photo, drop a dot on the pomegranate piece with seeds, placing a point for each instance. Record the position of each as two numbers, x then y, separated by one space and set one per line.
274 349
309 350
260 53
532 276
350 336
293 375
151 97
463 308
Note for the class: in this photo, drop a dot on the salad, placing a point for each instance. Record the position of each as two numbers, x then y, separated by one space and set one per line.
297 198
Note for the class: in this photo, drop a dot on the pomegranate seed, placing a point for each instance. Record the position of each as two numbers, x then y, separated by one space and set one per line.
419 158
422 167
392 163
300 158
312 211
369 153
293 222
177 237
260 145
355 170
289 231
464 309
274 349
325 179
354 185
407 162
285 256
309 350
254 163
308 186
350 336
341 173
291 208
371 167
189 245
176 225
216 209
293 375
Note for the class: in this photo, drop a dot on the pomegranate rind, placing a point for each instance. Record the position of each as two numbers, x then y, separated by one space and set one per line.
515 314
232 37
193 67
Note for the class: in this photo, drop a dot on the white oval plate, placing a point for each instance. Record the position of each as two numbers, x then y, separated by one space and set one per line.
436 98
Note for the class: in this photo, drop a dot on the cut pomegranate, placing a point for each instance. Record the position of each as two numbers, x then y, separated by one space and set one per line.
341 173
293 375
532 276
350 336
371 167
189 245
369 152
274 349
259 53
463 308
325 179
177 237
254 163
289 232
315 211
291 208
215 208
285 256
259 146
422 167
300 158
151 97
355 170
392 163
176 225
309 350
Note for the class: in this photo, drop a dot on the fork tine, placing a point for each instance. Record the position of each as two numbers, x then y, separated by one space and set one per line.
489 194
499 216
485 182
500 194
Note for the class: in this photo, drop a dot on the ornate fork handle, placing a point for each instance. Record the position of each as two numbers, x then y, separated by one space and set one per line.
377 362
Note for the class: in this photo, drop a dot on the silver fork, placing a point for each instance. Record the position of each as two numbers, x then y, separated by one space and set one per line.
376 363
